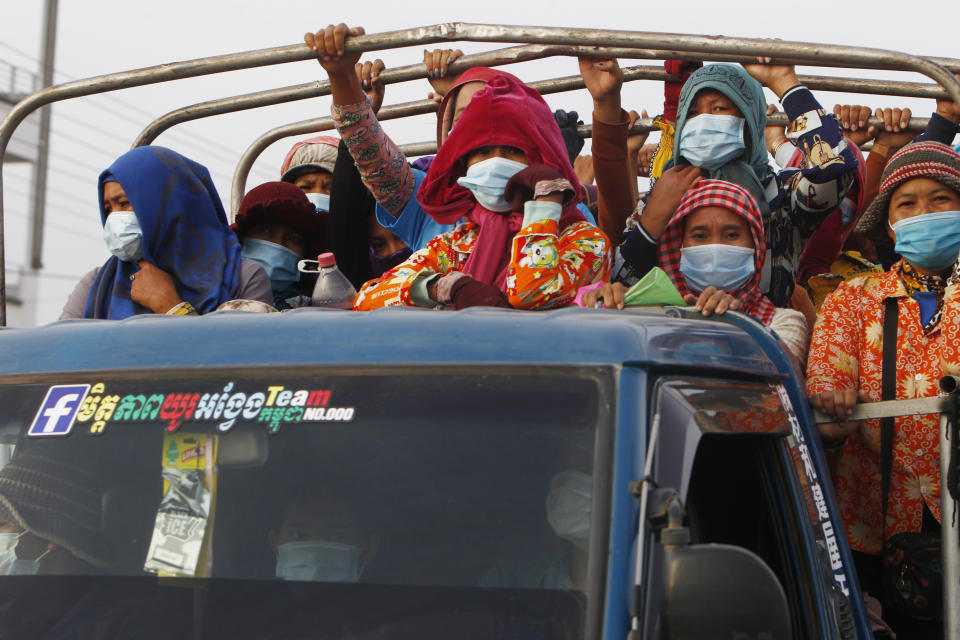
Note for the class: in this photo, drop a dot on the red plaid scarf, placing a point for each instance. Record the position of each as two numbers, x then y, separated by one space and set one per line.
719 193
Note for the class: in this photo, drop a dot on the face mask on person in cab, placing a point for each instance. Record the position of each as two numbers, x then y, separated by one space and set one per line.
318 561
279 262
10 564
724 266
930 241
320 201
487 180
710 141
123 236
569 506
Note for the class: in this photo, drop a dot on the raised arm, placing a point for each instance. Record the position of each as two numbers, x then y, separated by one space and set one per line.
382 165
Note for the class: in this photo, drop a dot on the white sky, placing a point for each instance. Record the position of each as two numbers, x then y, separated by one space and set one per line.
104 36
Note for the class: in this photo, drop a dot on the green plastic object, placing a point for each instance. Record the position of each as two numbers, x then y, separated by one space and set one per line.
655 288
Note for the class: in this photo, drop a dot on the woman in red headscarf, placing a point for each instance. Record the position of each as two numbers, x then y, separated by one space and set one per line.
504 169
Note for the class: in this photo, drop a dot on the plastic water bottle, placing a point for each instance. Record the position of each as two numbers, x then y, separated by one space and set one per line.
332 288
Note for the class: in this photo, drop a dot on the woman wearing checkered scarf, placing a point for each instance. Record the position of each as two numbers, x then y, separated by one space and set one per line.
713 249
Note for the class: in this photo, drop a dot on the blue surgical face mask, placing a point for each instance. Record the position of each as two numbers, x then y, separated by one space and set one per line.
724 266
930 241
710 141
123 236
321 201
279 262
488 178
318 561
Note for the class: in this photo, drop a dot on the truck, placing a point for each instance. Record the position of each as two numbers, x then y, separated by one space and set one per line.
577 473
409 473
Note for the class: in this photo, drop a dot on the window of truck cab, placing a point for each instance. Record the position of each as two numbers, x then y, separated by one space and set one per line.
404 501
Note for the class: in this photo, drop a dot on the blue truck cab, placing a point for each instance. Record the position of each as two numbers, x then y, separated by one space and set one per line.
409 473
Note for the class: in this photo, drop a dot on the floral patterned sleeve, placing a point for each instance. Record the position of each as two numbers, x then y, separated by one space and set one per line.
833 363
443 254
546 269
382 165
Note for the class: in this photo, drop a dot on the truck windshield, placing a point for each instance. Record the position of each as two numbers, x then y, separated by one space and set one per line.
300 505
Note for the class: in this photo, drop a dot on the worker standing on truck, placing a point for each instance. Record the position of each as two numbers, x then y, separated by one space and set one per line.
907 306
278 227
172 251
720 125
505 169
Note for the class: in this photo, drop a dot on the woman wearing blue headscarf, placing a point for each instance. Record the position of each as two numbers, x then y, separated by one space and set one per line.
719 134
172 249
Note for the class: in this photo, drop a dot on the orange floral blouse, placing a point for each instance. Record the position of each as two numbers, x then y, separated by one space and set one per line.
846 353
546 267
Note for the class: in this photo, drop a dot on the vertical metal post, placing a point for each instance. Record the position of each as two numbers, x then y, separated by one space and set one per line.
950 539
43 151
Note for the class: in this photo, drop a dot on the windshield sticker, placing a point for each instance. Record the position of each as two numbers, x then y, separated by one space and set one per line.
59 410
820 502
272 406
184 525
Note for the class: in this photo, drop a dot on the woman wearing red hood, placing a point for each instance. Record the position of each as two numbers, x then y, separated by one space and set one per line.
383 167
504 169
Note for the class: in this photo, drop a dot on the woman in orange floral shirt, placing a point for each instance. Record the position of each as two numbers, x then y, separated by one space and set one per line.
919 201
504 169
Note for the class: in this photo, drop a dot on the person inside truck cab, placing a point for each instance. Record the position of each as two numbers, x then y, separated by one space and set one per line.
504 168
278 226
721 116
394 184
172 251
713 249
918 205
321 539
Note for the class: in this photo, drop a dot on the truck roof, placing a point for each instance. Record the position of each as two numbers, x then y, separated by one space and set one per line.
395 336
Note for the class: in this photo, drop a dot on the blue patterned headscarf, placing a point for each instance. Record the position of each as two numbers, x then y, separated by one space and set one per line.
185 233
751 170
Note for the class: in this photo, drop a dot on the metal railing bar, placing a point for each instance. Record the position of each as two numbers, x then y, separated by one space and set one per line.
447 32
510 55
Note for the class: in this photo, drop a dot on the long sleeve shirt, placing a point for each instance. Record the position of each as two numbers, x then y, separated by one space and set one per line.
547 265
846 353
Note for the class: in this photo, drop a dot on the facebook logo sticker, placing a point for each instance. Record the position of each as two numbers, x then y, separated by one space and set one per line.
58 410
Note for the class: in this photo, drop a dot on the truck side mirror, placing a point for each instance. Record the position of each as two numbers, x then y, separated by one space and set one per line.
721 591
713 590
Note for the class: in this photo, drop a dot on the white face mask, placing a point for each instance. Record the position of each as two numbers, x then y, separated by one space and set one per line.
569 506
487 180
318 561
10 564
123 236
320 201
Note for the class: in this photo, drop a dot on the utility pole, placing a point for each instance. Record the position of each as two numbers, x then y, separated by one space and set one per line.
43 150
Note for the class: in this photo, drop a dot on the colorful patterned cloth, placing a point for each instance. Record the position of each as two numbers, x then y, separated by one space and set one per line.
846 353
546 267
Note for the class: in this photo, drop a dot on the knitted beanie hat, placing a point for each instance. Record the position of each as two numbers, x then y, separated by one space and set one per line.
310 156
932 160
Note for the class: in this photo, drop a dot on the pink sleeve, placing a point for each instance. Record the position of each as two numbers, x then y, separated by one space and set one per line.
582 291
381 164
